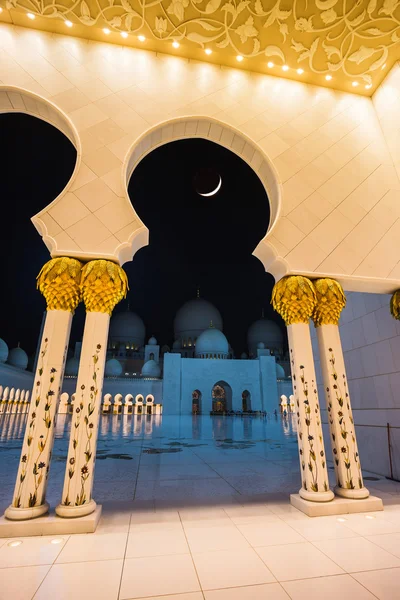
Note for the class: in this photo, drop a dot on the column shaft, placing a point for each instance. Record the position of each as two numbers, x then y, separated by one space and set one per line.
30 490
314 473
78 483
349 481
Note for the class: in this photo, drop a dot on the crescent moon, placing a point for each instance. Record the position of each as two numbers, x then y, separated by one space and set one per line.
216 189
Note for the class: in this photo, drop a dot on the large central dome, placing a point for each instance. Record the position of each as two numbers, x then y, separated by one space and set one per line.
267 332
212 343
194 317
127 328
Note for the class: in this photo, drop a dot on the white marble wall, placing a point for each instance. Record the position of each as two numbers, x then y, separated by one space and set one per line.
15 378
371 344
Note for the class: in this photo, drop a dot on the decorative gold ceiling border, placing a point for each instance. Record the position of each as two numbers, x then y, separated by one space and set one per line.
344 45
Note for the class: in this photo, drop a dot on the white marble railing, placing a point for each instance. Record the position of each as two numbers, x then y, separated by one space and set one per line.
117 405
13 400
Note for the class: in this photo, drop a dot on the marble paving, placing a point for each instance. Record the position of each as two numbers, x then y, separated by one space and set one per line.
198 509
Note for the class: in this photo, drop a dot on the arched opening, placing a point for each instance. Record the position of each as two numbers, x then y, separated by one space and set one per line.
139 402
246 401
221 398
196 402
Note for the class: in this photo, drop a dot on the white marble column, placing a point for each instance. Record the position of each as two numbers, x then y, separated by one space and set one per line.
294 299
330 302
59 283
103 285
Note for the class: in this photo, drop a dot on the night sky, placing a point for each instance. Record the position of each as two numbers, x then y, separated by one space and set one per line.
194 241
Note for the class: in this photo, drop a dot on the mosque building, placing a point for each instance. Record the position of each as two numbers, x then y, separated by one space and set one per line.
200 363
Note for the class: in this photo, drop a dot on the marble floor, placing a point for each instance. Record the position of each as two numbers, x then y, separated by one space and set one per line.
198 509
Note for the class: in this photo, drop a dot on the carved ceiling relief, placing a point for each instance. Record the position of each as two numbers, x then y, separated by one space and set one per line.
351 39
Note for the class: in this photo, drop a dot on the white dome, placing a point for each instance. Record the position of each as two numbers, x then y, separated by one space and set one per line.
194 317
113 368
152 341
127 327
260 346
72 367
18 358
177 345
212 341
280 371
151 369
3 351
267 332
243 356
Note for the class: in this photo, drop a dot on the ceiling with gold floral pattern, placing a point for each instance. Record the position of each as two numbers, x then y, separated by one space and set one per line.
343 44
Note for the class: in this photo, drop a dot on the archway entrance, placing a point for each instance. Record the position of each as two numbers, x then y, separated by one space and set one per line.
221 398
196 402
246 401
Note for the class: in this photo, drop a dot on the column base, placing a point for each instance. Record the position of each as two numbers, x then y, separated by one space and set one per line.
22 514
72 512
338 506
352 494
49 524
316 496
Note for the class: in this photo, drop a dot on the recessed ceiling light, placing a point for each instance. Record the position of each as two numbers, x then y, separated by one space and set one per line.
141 38
1 10
285 68
124 34
208 51
328 77
355 83
175 44
68 23
106 31
30 16
367 87
383 66
14 543
270 65
369 517
341 520
57 541
239 58
300 71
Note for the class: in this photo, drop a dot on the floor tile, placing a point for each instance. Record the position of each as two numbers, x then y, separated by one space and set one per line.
208 539
371 524
321 528
190 596
80 581
157 576
155 540
384 584
87 547
234 568
270 534
357 554
269 591
21 583
32 551
328 588
297 561
241 515
389 542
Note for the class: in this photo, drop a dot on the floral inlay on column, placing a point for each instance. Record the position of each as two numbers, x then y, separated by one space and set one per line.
294 298
330 303
103 285
58 281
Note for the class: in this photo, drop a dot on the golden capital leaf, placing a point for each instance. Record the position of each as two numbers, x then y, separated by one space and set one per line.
293 297
330 302
103 285
59 281
395 305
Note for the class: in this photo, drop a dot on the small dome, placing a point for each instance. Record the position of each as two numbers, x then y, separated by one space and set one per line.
151 369
3 351
18 358
152 341
194 317
260 346
280 371
267 332
127 327
177 345
113 368
212 341
243 356
72 367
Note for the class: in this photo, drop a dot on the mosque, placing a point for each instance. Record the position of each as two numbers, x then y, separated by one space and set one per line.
199 372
